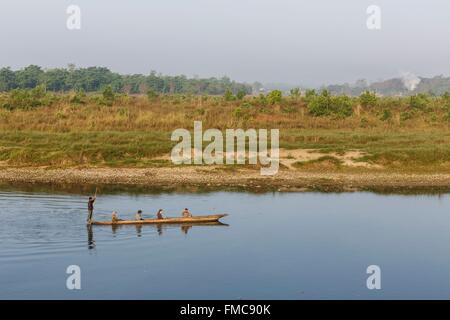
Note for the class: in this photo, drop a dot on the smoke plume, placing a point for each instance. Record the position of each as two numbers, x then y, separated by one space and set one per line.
410 81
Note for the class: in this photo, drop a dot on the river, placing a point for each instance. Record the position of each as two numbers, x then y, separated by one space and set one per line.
271 246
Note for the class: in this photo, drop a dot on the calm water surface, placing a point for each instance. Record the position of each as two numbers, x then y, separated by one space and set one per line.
276 246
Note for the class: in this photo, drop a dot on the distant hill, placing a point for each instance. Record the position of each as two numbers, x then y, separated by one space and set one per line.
408 85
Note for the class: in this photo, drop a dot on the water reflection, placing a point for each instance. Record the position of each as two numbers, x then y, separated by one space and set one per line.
159 229
90 232
114 229
185 229
139 230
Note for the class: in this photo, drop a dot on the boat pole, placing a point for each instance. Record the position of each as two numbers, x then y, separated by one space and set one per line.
95 197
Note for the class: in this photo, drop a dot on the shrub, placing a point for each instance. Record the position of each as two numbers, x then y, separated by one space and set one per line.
368 99
319 106
228 96
295 93
241 94
310 93
152 95
78 98
386 115
325 105
26 98
446 96
274 97
108 95
243 112
342 106
238 112
418 101
406 115
262 100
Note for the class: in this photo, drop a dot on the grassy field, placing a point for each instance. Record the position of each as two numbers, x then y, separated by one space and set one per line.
131 131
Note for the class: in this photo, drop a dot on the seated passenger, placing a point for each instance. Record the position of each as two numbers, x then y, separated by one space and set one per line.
115 217
186 213
138 215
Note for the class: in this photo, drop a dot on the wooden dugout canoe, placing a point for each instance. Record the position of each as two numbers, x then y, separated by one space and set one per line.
180 220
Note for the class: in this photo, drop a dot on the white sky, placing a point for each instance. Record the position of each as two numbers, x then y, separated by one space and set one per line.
294 41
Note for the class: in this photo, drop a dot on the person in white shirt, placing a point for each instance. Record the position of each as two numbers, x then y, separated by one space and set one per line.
139 215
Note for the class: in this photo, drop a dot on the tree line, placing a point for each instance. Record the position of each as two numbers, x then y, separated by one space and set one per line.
94 79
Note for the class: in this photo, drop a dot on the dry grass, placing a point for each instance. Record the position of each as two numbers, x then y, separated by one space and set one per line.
134 130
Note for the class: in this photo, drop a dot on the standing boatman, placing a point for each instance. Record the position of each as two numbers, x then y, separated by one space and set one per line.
91 207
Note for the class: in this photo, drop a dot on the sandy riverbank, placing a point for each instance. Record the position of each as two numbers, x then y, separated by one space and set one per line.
210 177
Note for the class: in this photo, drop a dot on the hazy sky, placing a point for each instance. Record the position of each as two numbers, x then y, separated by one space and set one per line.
303 42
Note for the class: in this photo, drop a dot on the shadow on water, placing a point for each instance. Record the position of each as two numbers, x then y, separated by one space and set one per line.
83 189
87 189
184 228
90 233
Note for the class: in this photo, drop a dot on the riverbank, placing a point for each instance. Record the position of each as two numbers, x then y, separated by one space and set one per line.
393 145
241 178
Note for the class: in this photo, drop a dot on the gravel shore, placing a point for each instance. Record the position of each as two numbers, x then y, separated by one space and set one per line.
285 180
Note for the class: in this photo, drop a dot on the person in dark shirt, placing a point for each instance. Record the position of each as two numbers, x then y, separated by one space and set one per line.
159 214
91 208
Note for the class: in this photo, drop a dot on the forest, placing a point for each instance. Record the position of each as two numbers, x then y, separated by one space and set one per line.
94 79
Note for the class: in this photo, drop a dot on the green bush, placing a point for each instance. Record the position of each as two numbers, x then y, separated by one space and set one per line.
152 95
320 105
78 98
238 112
108 95
309 94
342 106
447 116
243 112
406 115
386 115
26 98
326 105
368 99
241 94
274 97
295 93
228 96
261 100
419 101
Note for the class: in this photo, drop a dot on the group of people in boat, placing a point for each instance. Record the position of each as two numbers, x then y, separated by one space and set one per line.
159 215
138 216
